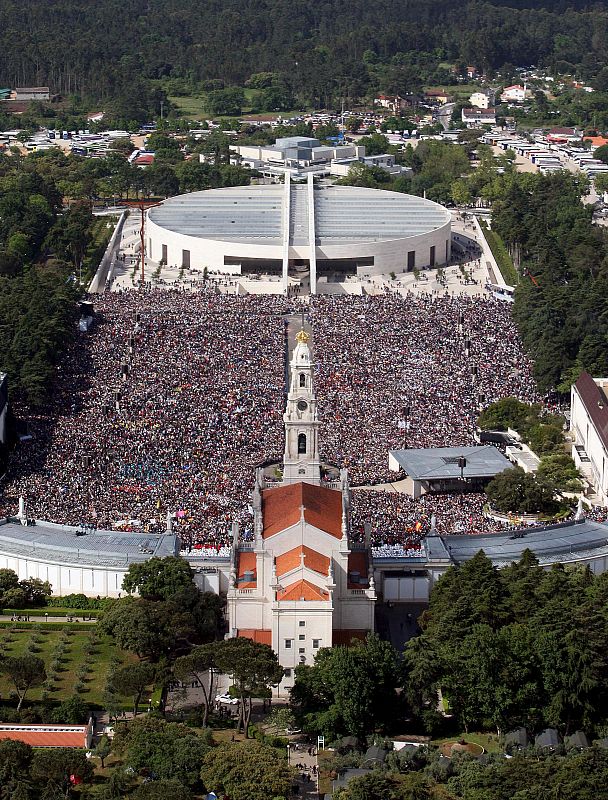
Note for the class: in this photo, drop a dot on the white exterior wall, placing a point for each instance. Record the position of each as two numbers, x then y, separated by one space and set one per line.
479 100
90 580
588 437
389 256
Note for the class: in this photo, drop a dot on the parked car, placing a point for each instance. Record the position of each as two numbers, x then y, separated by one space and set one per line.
226 699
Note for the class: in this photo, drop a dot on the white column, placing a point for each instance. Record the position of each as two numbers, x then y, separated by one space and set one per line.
286 213
312 234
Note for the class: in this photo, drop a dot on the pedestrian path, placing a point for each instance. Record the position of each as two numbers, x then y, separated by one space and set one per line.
45 618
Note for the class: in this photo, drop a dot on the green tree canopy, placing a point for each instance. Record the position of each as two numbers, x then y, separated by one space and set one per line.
158 578
247 771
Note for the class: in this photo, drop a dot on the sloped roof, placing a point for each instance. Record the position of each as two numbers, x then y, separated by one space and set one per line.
247 563
46 735
292 559
578 741
434 463
549 738
302 590
282 508
357 562
261 636
596 404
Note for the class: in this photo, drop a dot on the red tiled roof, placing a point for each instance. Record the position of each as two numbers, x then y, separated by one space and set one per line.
247 563
260 636
357 562
281 508
596 403
346 636
292 559
45 735
302 590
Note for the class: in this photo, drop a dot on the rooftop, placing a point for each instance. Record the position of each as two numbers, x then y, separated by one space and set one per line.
254 214
283 507
46 735
51 542
551 544
596 403
442 462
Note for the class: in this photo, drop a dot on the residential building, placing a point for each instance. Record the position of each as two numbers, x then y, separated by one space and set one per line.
33 93
476 117
482 99
515 94
437 97
589 426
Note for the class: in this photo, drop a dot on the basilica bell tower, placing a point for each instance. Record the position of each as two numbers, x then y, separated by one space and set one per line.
301 459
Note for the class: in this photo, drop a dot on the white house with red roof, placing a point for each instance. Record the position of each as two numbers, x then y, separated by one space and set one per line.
302 584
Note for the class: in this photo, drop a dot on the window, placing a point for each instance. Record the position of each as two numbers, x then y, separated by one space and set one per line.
302 444
432 258
163 257
287 673
301 650
316 644
411 260
302 379
302 623
287 644
302 637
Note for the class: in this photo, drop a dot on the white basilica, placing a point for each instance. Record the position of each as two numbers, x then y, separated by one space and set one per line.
301 584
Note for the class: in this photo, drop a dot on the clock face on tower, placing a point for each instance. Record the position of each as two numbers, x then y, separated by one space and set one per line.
302 405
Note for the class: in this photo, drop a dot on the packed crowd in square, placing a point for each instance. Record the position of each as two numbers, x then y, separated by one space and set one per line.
171 400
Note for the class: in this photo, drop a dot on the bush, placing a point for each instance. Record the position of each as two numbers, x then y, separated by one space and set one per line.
73 712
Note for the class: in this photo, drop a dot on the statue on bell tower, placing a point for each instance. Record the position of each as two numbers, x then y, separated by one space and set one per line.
301 459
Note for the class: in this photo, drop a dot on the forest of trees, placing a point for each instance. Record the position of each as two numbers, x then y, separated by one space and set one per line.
318 52
560 303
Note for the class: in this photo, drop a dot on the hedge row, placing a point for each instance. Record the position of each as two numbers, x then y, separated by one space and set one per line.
501 254
52 611
50 626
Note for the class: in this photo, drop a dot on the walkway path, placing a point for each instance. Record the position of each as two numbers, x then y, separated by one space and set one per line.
45 618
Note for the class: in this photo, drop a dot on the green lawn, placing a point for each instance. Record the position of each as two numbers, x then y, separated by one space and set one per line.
487 740
190 107
460 90
77 651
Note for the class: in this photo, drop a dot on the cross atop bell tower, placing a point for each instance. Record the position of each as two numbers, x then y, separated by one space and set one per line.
301 459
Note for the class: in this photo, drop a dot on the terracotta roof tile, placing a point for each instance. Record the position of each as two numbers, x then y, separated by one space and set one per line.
260 636
46 736
247 563
281 508
302 590
312 559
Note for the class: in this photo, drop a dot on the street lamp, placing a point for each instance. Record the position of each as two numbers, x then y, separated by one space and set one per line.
462 462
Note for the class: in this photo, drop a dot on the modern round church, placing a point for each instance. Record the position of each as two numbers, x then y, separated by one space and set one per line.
296 228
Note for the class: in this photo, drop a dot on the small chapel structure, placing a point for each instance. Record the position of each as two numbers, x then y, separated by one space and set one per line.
302 584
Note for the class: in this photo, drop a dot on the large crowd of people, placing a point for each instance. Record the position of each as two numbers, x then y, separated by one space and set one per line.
168 403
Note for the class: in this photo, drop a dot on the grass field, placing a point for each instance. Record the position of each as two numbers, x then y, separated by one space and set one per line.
488 741
65 657
190 107
459 91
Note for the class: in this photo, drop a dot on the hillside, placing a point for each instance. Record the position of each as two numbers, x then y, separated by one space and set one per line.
321 51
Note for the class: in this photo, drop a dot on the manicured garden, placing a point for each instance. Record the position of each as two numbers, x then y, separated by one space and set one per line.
77 660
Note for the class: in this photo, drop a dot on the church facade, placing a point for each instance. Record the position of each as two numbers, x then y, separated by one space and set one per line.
302 584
